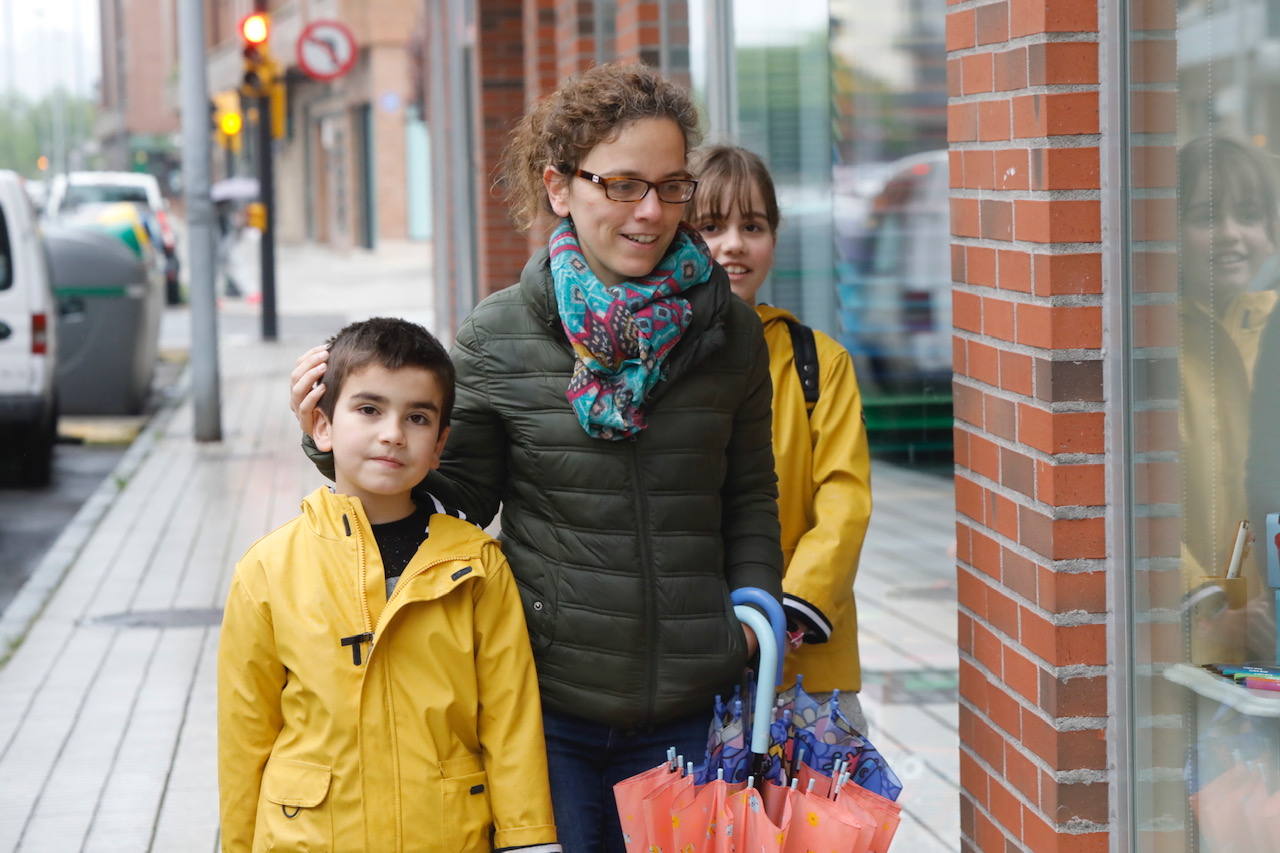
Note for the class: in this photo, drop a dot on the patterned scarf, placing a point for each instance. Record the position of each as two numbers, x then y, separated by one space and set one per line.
621 335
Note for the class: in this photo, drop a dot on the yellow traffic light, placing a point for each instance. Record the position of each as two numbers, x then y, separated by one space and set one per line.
255 215
42 163
230 123
255 28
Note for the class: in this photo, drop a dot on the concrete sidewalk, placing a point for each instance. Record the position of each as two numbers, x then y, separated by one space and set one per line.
107 733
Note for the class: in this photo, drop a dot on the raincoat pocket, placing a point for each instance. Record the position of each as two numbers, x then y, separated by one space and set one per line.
293 812
467 813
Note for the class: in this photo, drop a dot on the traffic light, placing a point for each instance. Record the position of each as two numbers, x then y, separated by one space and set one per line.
230 124
226 119
262 77
259 69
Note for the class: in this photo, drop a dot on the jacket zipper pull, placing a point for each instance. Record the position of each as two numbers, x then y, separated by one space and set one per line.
354 642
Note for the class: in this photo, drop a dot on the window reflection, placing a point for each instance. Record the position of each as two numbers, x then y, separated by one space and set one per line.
890 181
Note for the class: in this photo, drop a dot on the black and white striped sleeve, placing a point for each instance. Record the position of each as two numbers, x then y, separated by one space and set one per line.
807 617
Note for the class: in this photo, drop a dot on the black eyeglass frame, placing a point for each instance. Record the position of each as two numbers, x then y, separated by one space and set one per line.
603 182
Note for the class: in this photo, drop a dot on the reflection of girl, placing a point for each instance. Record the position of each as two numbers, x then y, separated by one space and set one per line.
824 466
1227 207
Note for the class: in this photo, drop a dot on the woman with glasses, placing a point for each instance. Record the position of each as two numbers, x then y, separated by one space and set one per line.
615 404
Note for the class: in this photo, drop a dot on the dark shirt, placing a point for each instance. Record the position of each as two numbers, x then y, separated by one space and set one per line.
398 541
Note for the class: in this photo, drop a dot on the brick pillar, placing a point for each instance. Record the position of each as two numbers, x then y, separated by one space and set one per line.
575 45
639 36
1030 432
501 72
641 28
539 49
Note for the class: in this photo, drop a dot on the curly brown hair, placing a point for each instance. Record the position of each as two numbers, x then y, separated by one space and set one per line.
590 107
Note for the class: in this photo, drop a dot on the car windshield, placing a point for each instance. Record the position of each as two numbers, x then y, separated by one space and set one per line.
79 194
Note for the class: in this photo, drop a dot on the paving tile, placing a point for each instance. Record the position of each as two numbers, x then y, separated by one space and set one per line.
907 624
108 733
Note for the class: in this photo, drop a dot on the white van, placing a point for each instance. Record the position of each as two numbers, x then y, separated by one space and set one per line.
28 353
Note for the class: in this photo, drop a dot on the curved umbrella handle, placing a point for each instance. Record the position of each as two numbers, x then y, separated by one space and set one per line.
770 663
769 605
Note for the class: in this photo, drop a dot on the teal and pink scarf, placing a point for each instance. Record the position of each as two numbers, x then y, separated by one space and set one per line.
622 334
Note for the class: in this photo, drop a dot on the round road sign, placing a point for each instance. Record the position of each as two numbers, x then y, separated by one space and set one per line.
326 50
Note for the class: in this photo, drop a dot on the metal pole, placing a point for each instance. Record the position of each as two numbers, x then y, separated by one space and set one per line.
267 195
195 181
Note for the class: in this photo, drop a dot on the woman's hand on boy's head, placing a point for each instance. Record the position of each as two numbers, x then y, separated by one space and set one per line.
305 387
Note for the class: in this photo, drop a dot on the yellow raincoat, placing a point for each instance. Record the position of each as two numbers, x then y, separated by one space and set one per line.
824 503
1219 359
434 737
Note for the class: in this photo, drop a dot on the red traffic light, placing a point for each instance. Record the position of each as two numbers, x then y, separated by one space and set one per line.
255 28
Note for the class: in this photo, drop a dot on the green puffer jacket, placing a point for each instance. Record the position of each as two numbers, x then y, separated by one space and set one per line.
624 551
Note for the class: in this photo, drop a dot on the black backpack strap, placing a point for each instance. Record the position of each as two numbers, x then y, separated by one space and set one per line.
806 358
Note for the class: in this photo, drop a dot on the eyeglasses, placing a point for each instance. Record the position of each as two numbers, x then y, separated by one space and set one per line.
673 191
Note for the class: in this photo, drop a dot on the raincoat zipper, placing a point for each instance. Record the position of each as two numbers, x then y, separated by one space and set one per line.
388 613
650 620
363 577
362 574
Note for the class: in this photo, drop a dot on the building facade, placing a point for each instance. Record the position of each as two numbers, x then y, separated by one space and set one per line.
343 167
138 117
1059 216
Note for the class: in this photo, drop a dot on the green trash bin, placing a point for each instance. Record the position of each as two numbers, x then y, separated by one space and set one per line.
109 307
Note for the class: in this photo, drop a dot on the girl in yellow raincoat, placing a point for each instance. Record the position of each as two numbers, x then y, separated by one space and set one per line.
820 449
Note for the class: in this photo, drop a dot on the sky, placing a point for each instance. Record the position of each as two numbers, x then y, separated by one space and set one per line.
51 43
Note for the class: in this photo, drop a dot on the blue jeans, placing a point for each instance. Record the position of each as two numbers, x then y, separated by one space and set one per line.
585 759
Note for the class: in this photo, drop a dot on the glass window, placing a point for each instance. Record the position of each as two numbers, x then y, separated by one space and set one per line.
1205 368
846 101
78 195
6 254
892 227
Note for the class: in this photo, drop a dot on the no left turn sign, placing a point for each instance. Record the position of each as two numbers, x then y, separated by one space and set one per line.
326 50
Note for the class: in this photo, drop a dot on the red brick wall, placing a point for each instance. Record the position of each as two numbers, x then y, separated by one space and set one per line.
539 49
575 47
1030 425
640 30
526 47
501 250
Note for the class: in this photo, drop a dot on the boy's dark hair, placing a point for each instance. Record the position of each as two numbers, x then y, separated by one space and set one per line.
390 343
726 175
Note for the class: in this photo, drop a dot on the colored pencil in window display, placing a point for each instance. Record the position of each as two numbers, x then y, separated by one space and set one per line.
1237 554
1262 684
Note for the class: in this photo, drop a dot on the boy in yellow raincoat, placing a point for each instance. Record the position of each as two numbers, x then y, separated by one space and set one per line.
820 449
376 688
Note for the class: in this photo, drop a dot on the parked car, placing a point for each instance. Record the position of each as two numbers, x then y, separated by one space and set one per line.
76 189
894 288
38 192
28 339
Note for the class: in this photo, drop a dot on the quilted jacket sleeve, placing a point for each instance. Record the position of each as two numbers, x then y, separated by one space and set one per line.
251 680
753 555
822 569
473 468
510 723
